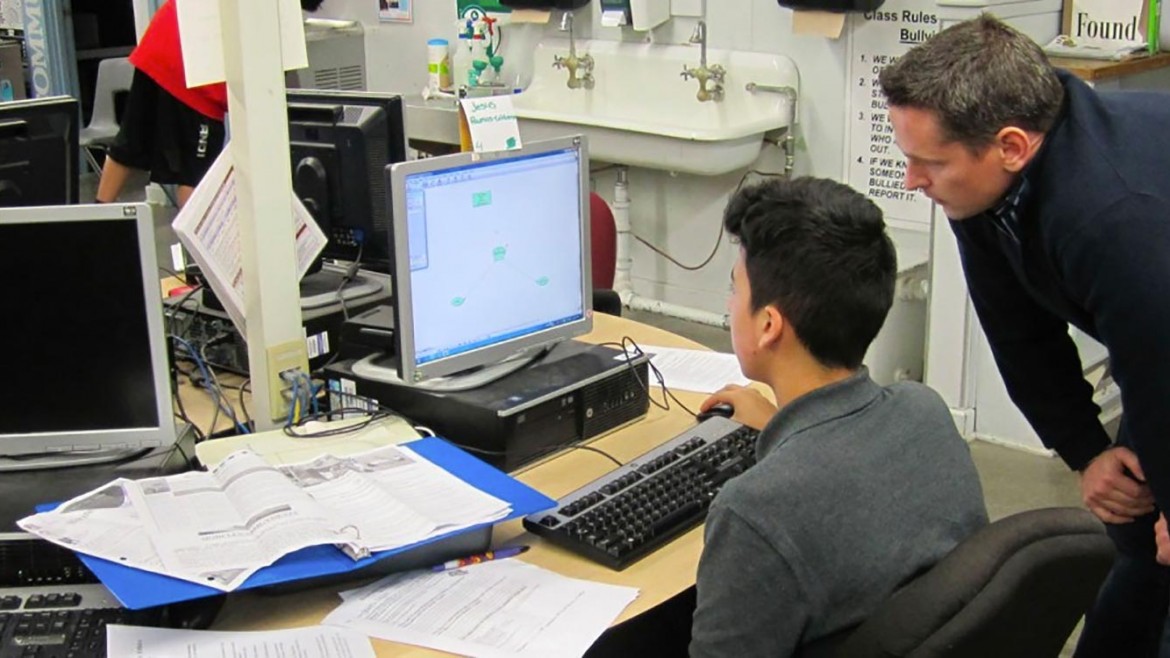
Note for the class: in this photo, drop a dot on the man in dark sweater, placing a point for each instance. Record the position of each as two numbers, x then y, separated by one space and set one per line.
857 487
1058 196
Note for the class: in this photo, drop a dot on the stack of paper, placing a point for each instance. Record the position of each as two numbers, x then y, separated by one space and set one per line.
493 609
217 528
312 642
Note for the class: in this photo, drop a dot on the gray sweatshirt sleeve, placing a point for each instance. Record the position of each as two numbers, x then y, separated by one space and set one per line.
749 600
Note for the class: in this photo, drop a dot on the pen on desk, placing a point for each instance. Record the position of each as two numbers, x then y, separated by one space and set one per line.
511 551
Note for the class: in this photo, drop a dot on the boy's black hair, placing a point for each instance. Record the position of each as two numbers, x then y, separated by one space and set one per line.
311 5
818 251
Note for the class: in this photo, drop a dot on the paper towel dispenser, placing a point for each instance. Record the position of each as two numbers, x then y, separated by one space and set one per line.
642 15
545 4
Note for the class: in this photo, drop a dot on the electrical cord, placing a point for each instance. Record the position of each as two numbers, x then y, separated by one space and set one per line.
245 388
168 271
600 452
665 406
292 429
178 307
667 395
350 274
294 403
718 238
209 384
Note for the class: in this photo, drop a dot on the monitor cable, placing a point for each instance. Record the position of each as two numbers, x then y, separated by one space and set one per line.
631 349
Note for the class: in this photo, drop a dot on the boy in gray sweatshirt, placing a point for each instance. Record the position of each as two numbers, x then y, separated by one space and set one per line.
858 487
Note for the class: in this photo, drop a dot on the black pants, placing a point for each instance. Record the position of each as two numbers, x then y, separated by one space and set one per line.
1129 617
661 632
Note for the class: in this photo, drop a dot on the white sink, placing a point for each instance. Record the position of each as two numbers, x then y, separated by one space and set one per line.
642 113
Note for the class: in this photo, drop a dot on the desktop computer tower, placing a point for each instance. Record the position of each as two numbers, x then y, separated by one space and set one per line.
576 392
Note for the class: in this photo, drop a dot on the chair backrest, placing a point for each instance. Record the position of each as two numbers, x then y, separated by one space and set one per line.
603 236
1014 589
114 75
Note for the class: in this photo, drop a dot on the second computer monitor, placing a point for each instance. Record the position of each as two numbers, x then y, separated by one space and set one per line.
340 143
39 156
491 256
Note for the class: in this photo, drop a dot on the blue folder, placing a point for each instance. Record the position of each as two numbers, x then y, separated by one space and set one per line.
138 589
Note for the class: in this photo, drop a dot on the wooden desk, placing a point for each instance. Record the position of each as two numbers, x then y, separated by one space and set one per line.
1097 70
659 576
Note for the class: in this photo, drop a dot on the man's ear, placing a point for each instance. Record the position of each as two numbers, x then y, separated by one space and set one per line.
1016 147
771 326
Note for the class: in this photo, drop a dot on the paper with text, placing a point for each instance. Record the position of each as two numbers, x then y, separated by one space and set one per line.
312 642
201 35
209 228
490 610
702 371
493 124
218 527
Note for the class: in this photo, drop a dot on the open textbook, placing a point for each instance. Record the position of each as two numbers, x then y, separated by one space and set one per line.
218 527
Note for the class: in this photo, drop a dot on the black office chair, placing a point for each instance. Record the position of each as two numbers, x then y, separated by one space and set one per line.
1014 589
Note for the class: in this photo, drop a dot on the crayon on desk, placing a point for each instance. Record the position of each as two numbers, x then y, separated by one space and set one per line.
482 557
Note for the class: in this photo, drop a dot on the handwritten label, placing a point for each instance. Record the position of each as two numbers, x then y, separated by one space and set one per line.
493 124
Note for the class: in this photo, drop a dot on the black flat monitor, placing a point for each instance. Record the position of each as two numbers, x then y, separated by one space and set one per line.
340 144
39 153
86 371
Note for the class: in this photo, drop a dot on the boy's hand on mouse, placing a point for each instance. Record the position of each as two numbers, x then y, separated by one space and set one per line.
751 407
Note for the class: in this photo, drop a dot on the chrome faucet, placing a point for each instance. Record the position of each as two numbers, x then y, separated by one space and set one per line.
704 74
575 65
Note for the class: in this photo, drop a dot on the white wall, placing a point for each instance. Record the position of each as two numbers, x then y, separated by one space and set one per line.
680 214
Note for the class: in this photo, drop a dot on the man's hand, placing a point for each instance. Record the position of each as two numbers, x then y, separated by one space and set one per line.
751 407
1110 493
1162 538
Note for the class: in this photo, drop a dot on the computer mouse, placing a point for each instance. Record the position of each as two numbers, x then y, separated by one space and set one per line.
721 409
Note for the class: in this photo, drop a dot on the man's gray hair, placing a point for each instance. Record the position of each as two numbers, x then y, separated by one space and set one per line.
978 77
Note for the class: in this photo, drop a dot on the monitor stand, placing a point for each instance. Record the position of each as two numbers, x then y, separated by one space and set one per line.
382 368
329 286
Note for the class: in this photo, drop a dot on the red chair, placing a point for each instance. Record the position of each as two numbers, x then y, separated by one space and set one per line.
603 236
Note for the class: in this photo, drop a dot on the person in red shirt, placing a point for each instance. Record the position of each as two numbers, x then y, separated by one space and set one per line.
169 129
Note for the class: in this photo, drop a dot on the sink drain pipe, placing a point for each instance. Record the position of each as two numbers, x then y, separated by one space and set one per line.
623 284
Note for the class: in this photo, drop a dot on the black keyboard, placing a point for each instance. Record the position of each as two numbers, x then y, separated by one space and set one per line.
633 510
62 621
51 606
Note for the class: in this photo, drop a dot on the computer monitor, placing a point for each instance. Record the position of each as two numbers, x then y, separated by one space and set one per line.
85 370
39 153
491 261
340 142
